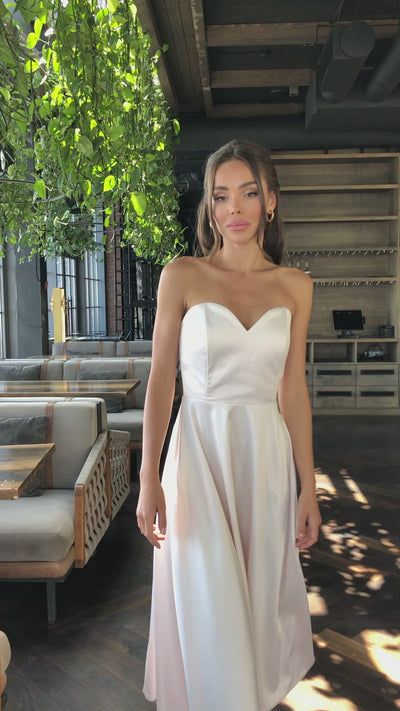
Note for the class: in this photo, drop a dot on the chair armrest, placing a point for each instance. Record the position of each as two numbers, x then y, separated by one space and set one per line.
119 453
92 497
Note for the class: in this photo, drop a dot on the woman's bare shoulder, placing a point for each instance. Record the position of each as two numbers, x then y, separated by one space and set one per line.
181 265
294 276
298 284
177 277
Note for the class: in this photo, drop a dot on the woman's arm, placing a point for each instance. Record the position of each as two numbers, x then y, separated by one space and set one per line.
159 397
295 407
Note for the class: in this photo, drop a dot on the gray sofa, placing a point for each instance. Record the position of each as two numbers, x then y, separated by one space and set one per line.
43 537
38 368
102 348
130 414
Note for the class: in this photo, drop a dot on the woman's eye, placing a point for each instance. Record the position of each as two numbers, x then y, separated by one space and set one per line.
219 198
252 193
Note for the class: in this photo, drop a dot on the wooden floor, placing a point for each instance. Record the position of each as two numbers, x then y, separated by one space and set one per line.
93 658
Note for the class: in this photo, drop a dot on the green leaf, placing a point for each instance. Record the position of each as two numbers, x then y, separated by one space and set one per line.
31 40
87 187
32 65
176 125
56 91
139 202
112 5
102 15
56 63
116 132
5 92
109 183
40 188
85 145
37 26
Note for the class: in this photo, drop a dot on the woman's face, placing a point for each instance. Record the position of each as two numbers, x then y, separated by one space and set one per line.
236 203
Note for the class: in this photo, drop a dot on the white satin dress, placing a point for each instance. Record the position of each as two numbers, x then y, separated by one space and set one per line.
230 626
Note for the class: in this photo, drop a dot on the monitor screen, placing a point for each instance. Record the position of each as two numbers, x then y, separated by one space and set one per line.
347 320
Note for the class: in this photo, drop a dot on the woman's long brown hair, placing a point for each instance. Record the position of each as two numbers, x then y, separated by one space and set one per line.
208 239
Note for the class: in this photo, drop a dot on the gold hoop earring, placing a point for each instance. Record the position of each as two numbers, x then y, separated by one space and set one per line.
270 216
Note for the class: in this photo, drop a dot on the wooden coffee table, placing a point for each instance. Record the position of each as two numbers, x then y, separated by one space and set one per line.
66 388
19 465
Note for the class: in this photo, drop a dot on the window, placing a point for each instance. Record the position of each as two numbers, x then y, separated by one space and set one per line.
94 287
83 281
62 273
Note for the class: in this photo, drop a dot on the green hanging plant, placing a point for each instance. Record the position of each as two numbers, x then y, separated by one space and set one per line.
84 127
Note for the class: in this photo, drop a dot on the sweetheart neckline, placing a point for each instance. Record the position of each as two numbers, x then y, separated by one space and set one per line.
226 308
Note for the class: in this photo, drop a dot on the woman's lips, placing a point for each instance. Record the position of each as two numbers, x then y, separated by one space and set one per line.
237 226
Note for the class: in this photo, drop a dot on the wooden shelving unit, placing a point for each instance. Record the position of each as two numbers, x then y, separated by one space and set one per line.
341 213
337 188
341 218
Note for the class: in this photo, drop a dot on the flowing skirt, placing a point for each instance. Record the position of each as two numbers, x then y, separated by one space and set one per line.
230 625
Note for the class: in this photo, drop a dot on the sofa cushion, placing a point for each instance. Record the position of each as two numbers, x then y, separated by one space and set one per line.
134 348
12 371
114 403
23 430
82 348
37 528
130 421
74 429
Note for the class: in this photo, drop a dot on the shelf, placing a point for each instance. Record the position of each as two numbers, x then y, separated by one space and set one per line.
337 188
341 157
354 281
341 214
344 251
364 339
339 218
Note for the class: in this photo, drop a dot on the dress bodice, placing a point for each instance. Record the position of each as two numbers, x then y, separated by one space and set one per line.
222 360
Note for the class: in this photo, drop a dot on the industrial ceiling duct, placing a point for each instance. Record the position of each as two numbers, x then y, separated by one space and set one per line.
342 59
386 76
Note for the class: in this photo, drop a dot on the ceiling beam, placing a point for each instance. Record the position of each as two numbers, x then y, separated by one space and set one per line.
245 78
202 56
285 33
149 24
246 110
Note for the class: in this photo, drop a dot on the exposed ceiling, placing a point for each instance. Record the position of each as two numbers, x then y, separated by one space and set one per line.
255 63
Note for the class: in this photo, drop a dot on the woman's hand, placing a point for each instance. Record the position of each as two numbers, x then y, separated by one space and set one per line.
308 520
152 501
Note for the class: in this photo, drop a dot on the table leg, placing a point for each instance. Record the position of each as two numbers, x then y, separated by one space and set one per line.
51 602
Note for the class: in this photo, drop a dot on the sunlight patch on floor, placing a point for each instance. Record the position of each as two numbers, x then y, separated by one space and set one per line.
384 651
316 694
353 487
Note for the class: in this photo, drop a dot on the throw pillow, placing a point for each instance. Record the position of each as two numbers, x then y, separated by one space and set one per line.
114 403
23 430
10 371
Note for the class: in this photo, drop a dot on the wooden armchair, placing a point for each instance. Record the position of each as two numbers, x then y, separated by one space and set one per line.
43 537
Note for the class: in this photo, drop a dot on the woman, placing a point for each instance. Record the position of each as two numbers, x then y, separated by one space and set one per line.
230 626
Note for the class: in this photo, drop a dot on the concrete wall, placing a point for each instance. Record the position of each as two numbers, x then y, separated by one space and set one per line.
23 299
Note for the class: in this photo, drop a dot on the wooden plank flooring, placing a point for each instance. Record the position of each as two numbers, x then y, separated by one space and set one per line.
93 658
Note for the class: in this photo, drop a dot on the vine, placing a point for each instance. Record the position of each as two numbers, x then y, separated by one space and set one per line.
84 129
